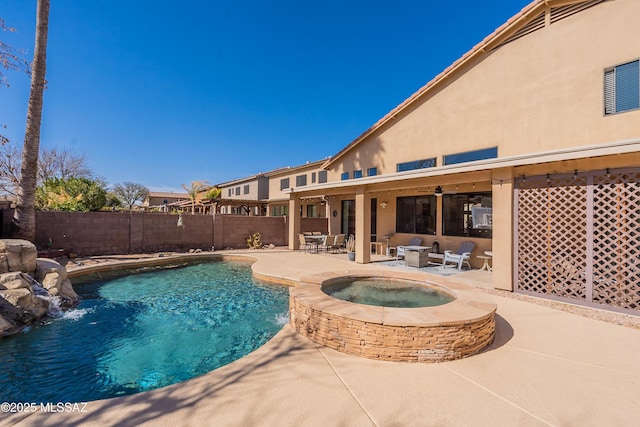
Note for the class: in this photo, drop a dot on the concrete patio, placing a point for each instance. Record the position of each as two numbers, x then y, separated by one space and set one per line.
545 367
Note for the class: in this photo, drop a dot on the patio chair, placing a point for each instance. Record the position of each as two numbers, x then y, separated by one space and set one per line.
328 242
414 241
338 244
461 256
304 245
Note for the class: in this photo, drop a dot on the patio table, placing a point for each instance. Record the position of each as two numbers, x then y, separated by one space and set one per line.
315 240
416 256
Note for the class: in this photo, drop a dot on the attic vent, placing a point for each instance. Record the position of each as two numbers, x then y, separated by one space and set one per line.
558 13
535 24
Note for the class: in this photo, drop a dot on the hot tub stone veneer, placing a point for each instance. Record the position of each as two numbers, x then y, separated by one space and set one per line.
430 334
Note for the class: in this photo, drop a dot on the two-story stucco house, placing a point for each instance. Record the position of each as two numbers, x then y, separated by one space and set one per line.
528 146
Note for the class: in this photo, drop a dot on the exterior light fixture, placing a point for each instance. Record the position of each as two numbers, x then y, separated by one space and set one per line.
383 205
438 191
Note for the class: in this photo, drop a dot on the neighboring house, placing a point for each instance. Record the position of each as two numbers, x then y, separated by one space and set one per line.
528 145
163 200
245 196
265 194
282 180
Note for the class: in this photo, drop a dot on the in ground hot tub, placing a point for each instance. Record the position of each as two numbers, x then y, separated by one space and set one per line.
386 292
448 331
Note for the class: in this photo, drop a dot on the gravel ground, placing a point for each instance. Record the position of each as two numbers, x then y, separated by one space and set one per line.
622 319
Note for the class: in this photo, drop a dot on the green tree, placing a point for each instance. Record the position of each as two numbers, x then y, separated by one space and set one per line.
130 193
196 187
24 218
212 194
113 201
71 194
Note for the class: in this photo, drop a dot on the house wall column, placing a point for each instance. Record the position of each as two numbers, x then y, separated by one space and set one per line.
363 226
333 204
503 232
294 222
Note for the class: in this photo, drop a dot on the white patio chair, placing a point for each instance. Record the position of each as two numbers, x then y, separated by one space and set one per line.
461 256
414 241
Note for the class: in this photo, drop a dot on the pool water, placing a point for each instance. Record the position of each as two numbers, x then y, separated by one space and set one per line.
142 331
386 293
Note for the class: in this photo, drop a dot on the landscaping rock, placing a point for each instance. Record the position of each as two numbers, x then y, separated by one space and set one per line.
17 255
53 277
6 327
25 300
14 280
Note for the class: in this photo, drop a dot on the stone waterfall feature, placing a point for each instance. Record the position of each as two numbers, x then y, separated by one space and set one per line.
29 286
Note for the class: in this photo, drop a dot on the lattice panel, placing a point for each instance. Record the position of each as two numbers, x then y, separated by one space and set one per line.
552 222
616 240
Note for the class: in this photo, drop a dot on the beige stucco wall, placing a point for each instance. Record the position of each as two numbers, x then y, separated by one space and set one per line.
276 194
541 92
252 195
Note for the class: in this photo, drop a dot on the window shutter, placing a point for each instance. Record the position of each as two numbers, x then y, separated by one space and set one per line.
610 91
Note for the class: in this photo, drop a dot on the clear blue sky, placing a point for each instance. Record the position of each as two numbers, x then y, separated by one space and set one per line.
163 93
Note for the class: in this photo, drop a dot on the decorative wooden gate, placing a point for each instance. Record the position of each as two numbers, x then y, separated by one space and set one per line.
578 238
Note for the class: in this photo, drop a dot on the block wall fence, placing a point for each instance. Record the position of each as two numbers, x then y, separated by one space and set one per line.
110 233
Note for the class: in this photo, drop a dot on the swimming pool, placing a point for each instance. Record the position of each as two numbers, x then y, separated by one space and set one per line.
140 330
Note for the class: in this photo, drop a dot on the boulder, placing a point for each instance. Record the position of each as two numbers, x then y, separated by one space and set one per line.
6 327
25 300
17 255
53 277
15 280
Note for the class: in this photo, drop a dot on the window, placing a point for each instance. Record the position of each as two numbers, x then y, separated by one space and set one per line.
344 176
313 177
282 210
467 215
312 211
357 174
470 156
237 191
230 192
284 183
322 176
372 171
416 164
301 180
246 189
622 88
416 215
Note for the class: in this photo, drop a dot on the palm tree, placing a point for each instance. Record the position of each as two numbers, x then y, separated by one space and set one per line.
196 187
24 220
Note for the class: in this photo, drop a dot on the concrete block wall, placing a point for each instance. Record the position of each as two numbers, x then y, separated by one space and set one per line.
83 233
104 233
232 231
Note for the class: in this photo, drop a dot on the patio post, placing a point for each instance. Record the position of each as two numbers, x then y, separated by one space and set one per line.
503 229
294 221
363 226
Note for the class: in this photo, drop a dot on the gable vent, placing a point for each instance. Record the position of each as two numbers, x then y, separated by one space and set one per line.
535 24
558 13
